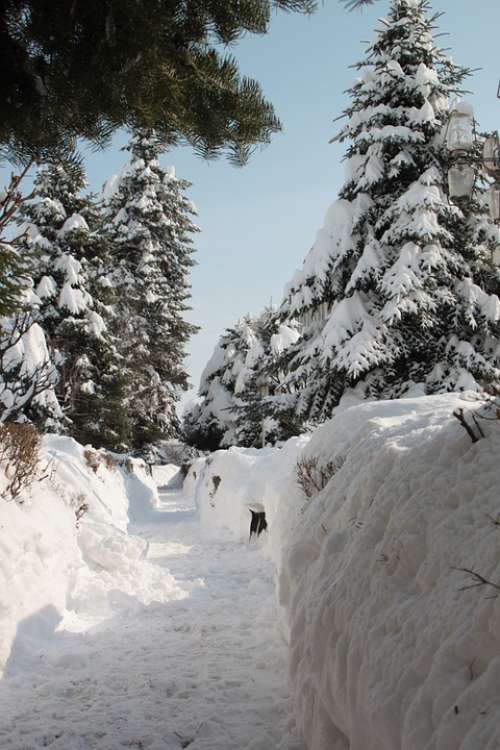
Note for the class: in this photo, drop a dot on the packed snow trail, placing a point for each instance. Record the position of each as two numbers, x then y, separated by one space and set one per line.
207 671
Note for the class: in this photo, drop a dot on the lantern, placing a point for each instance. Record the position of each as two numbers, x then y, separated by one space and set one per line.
461 178
491 154
460 136
494 201
263 388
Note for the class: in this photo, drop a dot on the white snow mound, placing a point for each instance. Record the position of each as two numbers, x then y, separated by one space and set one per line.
390 646
56 570
387 648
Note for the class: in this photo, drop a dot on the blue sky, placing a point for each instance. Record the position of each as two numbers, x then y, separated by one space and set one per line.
259 222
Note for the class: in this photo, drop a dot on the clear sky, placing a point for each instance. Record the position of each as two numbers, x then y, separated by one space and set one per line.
259 222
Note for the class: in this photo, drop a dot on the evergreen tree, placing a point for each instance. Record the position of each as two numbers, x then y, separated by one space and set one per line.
149 226
15 267
211 423
85 69
409 276
265 410
27 376
243 400
63 228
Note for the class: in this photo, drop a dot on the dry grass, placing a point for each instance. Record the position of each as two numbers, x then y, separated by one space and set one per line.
94 459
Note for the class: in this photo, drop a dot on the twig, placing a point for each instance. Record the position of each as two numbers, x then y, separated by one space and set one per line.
460 415
478 580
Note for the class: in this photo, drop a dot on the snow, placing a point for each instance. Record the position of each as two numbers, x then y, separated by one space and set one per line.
110 187
95 324
382 660
74 223
70 267
139 628
282 340
74 300
389 649
165 475
230 482
46 287
31 350
464 108
154 623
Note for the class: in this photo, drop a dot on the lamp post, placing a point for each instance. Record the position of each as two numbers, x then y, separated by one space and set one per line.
491 163
460 140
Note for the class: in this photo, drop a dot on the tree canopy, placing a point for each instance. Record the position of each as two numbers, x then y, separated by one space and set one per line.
83 69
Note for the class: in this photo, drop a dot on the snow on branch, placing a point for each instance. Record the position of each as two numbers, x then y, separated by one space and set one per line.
26 371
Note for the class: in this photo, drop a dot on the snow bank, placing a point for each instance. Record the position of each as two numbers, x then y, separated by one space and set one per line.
389 648
50 562
230 483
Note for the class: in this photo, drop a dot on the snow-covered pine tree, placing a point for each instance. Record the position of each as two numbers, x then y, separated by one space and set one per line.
411 279
63 229
211 423
265 409
27 375
149 225
242 398
306 305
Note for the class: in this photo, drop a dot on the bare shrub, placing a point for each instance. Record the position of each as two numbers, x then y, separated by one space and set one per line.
109 461
80 506
19 457
91 459
477 580
312 476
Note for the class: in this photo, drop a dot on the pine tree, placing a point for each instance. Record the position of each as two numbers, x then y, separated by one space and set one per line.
211 423
15 266
265 410
150 228
86 69
409 276
63 229
242 397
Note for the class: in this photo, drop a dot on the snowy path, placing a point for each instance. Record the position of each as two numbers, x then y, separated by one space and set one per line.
206 672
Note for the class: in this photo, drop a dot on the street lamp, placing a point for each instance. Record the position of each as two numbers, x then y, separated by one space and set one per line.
460 140
491 163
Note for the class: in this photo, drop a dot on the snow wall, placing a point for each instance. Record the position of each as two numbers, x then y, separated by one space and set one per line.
52 567
390 649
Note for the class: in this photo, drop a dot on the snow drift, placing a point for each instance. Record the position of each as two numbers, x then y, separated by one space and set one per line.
54 567
230 483
390 645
